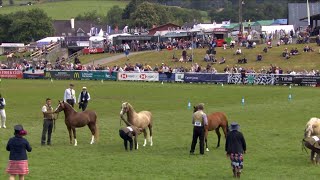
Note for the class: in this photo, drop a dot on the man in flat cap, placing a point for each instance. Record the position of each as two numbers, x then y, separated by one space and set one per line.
83 99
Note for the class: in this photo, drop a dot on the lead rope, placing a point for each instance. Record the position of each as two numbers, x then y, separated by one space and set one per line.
54 122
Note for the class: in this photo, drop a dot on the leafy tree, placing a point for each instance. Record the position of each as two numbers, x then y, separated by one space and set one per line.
145 16
114 16
24 26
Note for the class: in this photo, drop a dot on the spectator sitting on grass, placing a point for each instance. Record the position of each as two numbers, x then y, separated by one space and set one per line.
265 49
206 58
259 57
222 61
238 51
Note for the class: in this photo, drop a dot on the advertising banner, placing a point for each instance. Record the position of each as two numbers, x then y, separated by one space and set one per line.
12 74
33 75
98 75
284 79
179 77
62 74
206 77
166 77
304 80
131 76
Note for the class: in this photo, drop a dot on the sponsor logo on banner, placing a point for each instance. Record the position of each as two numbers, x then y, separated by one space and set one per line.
124 76
143 76
179 77
76 75
131 76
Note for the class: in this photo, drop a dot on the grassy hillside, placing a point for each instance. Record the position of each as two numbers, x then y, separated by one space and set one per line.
303 61
62 10
272 125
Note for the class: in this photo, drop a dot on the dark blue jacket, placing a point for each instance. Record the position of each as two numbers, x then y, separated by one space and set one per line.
235 142
17 146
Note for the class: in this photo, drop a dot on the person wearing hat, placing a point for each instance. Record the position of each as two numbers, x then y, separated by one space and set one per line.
199 120
18 159
70 95
83 99
2 112
235 148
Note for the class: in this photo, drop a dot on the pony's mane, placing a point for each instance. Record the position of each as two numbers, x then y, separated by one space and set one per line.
310 125
65 103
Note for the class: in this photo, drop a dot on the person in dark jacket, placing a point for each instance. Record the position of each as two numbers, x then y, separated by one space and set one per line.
235 148
83 99
18 159
127 133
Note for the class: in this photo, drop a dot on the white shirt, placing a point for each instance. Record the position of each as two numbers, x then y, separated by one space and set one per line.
4 102
79 98
44 108
69 94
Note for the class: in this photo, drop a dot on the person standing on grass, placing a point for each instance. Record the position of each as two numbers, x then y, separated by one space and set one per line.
235 148
18 159
70 95
3 112
83 99
199 120
48 119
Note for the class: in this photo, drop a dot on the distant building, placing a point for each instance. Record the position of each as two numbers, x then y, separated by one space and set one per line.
297 11
165 27
74 27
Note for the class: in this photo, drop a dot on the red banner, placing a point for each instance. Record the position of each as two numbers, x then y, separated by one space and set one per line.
13 74
92 50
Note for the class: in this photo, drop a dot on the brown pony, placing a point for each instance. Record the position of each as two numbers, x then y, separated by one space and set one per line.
142 120
75 119
215 121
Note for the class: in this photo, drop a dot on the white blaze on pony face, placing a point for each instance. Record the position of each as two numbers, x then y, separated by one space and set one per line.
123 108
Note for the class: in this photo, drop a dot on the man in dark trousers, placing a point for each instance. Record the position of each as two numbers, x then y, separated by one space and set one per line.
70 95
83 99
199 120
47 111
127 134
235 148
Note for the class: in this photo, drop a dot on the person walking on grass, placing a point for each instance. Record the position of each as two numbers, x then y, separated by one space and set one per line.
83 99
18 159
70 95
235 148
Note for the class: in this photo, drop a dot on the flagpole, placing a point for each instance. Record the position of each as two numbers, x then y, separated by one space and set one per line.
308 11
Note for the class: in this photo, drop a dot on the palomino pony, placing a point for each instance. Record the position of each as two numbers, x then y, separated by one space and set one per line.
313 129
75 120
141 120
215 121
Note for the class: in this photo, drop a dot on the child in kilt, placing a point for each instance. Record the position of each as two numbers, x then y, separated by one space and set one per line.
18 160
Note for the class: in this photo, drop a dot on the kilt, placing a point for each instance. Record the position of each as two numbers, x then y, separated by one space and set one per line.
18 167
236 160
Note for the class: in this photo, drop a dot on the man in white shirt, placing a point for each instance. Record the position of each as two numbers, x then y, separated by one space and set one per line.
2 112
70 95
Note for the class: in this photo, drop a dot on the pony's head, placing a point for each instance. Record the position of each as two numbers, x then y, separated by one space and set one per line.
61 106
198 107
124 108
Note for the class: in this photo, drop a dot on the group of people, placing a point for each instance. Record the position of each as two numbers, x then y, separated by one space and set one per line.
235 145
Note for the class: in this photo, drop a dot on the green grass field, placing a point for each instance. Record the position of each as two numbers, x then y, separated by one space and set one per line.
60 10
304 61
272 125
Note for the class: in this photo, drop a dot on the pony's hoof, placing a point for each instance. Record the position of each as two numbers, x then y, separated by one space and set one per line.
207 149
144 145
151 144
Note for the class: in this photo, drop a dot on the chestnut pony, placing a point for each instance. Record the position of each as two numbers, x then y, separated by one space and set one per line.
215 121
74 119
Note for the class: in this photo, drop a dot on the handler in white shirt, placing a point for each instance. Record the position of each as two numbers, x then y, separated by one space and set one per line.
70 95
